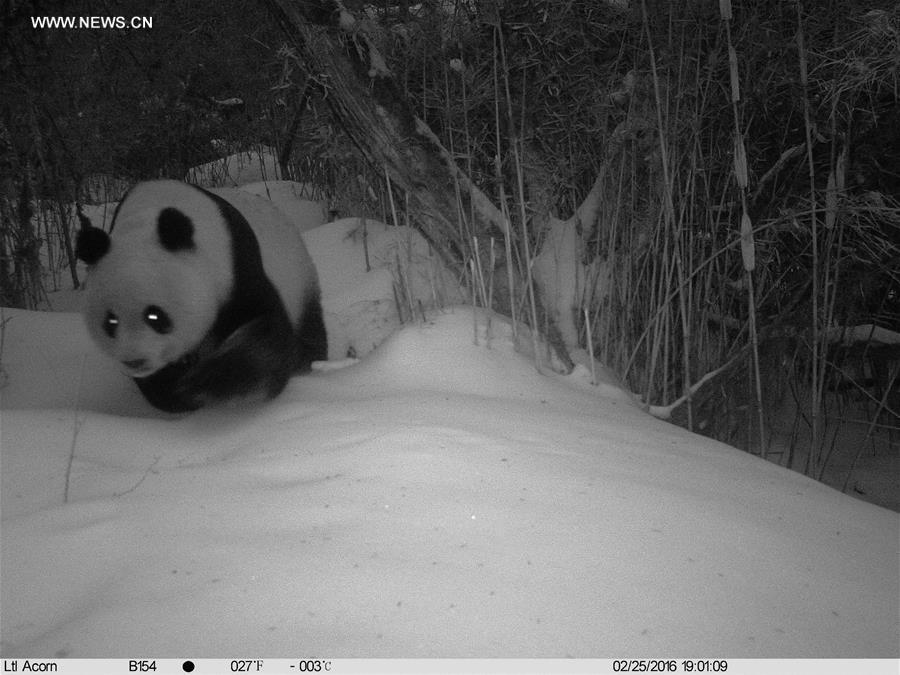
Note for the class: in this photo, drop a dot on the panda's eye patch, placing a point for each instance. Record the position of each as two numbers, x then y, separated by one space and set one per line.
110 324
157 319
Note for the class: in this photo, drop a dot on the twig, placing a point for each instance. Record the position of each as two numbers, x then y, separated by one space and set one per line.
590 343
76 427
665 412
141 480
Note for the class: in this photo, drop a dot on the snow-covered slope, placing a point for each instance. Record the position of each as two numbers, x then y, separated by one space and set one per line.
436 499
290 197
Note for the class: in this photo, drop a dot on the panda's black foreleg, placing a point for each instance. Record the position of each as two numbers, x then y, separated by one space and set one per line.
312 340
257 357
161 389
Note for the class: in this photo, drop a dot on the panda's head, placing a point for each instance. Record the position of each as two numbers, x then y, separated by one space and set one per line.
154 288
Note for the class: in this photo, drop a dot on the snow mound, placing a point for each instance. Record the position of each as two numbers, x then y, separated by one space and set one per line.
369 272
292 199
439 498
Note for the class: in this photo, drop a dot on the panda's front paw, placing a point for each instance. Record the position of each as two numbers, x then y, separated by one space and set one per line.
198 386
223 371
163 389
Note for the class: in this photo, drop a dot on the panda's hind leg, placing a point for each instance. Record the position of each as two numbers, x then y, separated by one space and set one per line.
312 340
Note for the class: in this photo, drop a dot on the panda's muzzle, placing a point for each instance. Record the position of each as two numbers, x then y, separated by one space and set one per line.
137 367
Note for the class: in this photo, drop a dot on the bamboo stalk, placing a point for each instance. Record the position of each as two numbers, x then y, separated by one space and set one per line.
498 175
748 245
670 226
816 372
520 185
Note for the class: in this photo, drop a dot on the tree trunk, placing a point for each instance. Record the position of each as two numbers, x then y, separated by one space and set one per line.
367 101
340 53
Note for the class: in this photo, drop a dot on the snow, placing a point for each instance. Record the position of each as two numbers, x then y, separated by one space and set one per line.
864 333
561 276
437 498
292 199
365 267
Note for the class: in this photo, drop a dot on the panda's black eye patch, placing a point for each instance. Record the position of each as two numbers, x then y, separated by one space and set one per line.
110 324
176 230
157 319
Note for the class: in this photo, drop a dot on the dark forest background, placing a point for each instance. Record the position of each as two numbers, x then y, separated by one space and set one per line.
725 174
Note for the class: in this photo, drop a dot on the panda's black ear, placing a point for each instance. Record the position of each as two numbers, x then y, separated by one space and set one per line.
91 244
176 231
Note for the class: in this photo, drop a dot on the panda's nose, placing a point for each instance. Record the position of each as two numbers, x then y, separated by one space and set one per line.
135 364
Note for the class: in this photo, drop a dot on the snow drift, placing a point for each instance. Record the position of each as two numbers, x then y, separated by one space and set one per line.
439 498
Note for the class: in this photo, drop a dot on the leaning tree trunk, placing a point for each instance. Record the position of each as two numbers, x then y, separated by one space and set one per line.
368 103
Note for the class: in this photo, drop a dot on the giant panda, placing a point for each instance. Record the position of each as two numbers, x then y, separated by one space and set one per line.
201 295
